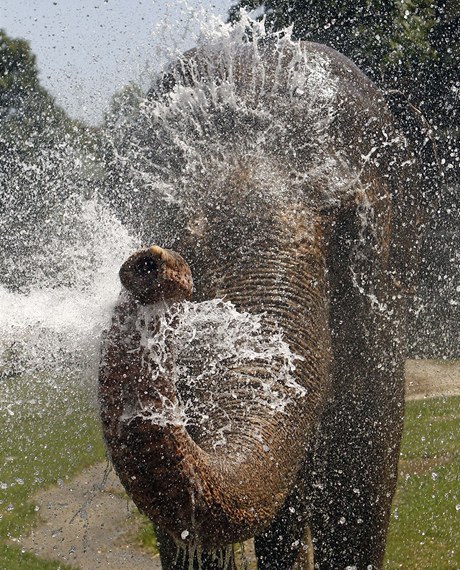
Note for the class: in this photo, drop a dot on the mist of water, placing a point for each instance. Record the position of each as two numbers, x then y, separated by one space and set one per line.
71 265
55 323
233 111
213 347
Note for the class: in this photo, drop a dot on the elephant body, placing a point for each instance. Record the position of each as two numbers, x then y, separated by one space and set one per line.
310 226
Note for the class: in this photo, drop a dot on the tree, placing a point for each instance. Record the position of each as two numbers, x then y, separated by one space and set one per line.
42 160
27 111
408 46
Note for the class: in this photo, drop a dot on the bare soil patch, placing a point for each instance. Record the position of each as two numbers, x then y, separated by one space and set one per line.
432 378
87 523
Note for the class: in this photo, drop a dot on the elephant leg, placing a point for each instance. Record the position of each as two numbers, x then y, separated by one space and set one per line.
174 558
305 559
286 544
170 556
356 474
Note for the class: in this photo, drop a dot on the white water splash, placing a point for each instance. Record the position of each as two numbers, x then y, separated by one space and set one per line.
210 349
57 323
235 106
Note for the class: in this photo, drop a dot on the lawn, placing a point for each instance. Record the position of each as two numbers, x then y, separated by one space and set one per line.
425 525
49 431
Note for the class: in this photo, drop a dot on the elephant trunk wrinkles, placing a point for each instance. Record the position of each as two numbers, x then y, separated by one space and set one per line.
196 491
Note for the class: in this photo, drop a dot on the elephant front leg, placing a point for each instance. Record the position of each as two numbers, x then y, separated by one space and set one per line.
274 553
356 472
286 544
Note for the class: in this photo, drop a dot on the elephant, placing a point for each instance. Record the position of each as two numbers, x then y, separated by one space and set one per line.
311 229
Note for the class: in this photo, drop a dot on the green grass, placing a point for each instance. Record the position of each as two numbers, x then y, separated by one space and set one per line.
48 432
13 558
425 525
145 537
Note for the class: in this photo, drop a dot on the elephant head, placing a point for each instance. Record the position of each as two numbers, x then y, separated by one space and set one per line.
177 472
319 262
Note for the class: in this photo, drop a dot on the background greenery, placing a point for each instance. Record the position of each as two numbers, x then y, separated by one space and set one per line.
44 158
425 523
408 46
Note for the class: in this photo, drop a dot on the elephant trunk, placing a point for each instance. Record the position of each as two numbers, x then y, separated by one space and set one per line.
198 492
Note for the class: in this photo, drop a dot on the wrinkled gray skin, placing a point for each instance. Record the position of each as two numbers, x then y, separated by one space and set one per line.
335 275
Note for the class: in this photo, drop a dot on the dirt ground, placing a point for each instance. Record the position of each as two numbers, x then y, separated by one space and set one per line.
431 378
87 522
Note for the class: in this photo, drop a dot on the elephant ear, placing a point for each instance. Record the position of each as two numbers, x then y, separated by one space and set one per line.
405 244
389 174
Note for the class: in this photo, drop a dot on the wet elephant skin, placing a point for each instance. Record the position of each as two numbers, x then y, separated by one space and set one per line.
331 266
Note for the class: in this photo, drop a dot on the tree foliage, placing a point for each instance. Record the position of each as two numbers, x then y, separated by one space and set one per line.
28 114
411 46
43 157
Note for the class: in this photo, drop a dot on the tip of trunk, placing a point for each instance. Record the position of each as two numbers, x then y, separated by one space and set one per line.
154 274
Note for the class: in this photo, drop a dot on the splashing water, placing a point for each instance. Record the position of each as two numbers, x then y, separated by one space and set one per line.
230 108
61 267
56 324
226 107
214 347
66 222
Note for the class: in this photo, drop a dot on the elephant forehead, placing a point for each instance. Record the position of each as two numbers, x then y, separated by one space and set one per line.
304 228
253 202
240 225
197 224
